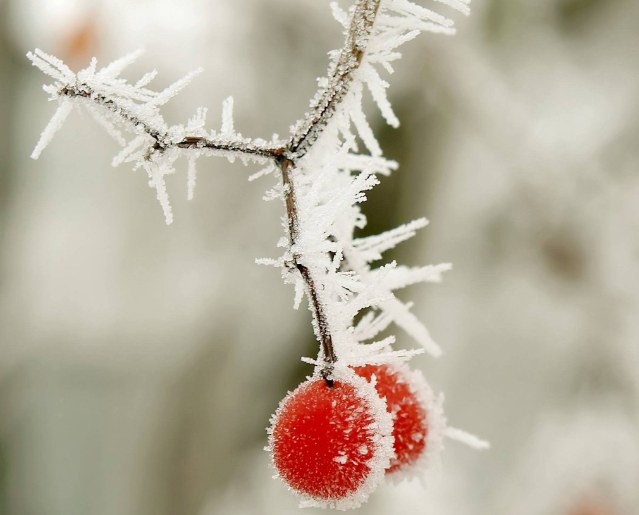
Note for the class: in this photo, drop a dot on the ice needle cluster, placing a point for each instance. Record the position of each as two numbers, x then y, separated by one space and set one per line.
120 106
322 173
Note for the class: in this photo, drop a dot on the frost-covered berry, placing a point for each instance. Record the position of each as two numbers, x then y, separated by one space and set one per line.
331 443
417 418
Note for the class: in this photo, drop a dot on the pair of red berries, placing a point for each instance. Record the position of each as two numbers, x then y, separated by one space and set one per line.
333 442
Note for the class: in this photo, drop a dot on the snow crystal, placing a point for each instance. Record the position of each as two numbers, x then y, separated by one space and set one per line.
270 168
372 247
51 65
227 117
166 95
191 176
156 173
409 8
114 69
467 438
410 323
54 125
339 14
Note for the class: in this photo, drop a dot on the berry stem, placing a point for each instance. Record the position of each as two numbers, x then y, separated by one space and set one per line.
319 316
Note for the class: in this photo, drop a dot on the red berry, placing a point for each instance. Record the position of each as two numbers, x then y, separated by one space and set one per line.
417 418
332 443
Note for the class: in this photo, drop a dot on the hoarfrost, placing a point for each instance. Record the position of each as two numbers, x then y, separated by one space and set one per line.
120 106
227 117
54 125
326 185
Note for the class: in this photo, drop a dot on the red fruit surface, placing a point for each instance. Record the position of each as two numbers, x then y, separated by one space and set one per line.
410 427
321 439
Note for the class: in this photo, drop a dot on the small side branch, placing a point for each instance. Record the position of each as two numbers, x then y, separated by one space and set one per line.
161 136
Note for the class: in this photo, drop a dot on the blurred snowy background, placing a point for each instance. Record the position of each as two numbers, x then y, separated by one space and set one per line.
139 363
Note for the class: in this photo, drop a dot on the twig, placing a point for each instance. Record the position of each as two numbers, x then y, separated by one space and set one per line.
162 142
349 60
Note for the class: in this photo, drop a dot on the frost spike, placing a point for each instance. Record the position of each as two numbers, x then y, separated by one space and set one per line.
408 7
227 117
467 438
339 14
363 128
156 180
54 125
411 324
191 176
146 79
175 88
377 87
371 325
374 246
404 276
106 124
114 69
126 152
51 65
264 171
460 5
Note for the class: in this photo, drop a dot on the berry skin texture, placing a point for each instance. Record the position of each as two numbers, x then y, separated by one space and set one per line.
332 444
417 420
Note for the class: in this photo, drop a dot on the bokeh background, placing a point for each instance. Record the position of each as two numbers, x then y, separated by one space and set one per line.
139 363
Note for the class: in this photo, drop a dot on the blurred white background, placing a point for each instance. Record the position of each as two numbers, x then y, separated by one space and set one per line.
139 363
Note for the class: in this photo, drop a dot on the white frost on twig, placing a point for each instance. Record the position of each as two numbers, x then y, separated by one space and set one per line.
331 175
120 106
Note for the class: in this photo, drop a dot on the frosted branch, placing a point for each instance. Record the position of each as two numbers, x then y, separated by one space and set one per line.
350 57
323 176
161 136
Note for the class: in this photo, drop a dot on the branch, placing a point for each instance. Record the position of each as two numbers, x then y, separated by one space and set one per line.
161 136
328 100
327 103
114 102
